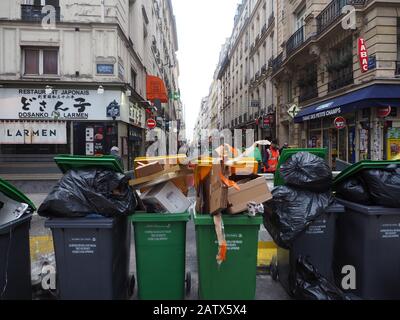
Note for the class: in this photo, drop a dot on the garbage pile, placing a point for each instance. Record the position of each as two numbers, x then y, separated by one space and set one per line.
311 285
379 187
88 191
163 184
304 197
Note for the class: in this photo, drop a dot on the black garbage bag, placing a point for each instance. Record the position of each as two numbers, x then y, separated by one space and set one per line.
89 191
307 172
309 284
354 190
384 186
291 211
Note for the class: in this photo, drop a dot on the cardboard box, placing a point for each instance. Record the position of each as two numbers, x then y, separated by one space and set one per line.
250 190
167 198
146 170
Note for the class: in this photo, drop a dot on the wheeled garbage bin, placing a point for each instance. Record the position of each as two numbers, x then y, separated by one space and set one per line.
367 251
234 279
92 253
92 257
316 243
160 245
15 262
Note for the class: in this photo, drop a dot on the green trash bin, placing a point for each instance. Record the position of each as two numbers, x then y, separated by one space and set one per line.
160 244
68 162
235 279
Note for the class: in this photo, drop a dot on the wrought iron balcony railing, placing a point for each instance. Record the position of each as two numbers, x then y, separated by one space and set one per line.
341 81
333 11
277 62
295 41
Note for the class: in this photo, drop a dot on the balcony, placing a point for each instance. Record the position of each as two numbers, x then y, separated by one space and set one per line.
295 41
271 19
308 93
33 13
333 11
343 79
277 62
264 29
264 69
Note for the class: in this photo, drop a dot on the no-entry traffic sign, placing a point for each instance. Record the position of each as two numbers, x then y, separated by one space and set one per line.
151 123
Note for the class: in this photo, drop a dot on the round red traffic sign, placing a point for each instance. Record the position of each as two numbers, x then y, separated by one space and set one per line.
384 112
340 123
151 123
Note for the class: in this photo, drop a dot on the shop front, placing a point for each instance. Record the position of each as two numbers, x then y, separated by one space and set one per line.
360 125
36 125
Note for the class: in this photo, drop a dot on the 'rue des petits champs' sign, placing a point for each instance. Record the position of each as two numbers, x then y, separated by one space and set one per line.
61 104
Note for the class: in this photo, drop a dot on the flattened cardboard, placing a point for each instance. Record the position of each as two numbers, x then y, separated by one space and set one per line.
254 190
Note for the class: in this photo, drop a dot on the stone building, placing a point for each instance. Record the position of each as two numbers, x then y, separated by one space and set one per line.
76 84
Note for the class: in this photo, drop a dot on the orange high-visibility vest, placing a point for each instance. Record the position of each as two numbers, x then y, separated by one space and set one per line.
273 158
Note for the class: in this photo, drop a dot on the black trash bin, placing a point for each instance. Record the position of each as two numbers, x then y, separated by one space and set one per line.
92 257
368 239
15 260
316 243
15 263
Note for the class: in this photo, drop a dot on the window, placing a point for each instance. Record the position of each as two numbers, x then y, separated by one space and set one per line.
289 91
133 78
300 17
39 61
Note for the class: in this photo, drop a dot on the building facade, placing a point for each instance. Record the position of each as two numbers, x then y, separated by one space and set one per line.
330 93
76 84
316 74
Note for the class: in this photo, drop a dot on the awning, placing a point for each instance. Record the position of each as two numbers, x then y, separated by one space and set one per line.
377 95
155 89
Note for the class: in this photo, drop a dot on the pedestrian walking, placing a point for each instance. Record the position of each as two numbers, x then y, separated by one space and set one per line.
271 159
115 151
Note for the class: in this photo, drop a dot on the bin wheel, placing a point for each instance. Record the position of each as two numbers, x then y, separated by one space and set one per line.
132 284
273 269
188 283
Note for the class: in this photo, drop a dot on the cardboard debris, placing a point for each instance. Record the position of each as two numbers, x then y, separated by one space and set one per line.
251 190
166 198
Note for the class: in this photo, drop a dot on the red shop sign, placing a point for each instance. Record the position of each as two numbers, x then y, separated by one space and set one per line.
384 112
363 55
340 123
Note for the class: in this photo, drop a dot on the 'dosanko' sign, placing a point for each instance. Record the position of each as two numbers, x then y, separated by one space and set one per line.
363 55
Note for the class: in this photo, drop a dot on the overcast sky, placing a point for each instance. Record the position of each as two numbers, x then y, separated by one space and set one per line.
203 26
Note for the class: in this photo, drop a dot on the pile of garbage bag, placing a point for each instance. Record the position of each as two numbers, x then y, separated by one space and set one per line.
309 284
380 187
307 172
85 192
306 195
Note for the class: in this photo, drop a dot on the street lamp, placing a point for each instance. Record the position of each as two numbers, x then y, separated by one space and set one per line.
49 90
100 90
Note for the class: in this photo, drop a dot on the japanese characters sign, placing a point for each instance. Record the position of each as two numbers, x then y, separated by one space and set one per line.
33 132
61 104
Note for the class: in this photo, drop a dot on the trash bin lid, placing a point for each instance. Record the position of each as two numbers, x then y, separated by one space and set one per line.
159 217
229 220
288 153
369 210
360 166
68 162
13 193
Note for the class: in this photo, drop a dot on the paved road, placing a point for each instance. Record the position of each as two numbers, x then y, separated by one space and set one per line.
267 289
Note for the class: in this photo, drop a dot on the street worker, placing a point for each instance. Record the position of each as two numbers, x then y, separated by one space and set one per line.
115 151
272 157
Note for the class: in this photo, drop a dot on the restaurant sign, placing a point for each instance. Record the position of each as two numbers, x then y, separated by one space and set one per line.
33 132
61 104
